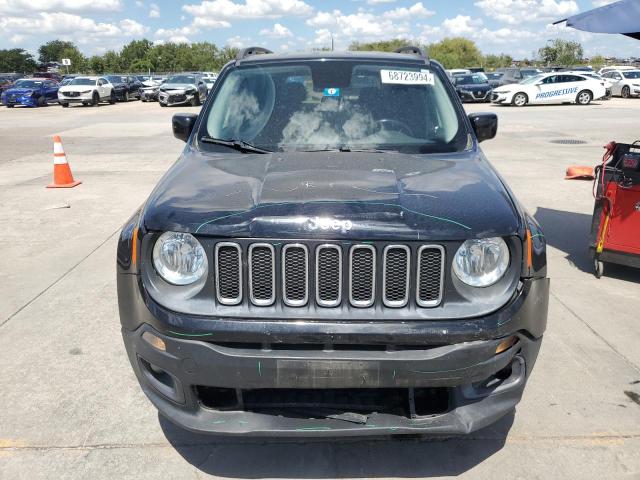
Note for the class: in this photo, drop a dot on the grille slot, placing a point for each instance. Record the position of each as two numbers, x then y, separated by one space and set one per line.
262 274
295 274
328 275
362 275
395 276
228 259
430 275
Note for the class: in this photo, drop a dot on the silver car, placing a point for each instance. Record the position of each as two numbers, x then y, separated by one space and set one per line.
182 89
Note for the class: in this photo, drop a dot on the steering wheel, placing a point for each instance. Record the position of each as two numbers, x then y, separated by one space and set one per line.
393 124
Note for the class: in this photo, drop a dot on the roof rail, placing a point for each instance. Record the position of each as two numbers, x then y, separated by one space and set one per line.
245 52
411 49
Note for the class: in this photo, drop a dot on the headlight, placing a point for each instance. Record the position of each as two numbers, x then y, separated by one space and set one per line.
28 93
86 91
481 262
189 91
179 258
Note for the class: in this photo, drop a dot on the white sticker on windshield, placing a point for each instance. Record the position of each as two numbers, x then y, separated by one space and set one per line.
404 77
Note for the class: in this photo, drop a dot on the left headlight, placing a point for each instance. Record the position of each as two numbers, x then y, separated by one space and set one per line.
179 258
481 262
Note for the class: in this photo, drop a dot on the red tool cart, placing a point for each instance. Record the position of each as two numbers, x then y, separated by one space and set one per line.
615 228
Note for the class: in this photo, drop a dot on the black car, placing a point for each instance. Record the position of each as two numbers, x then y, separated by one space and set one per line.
125 87
332 254
494 78
473 88
516 75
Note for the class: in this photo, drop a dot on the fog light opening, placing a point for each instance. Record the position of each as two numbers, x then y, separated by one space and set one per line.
154 341
506 344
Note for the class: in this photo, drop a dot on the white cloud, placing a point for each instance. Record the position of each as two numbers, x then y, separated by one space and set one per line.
237 41
67 25
361 25
24 7
514 11
278 31
403 13
154 10
211 10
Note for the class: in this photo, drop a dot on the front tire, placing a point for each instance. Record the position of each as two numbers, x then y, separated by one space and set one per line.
195 101
95 100
626 92
112 98
163 104
41 102
584 97
520 99
64 104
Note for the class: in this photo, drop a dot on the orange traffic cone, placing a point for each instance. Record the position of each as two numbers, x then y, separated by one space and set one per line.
62 177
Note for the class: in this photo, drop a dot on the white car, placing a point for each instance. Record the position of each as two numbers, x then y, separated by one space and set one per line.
209 79
608 84
626 83
555 87
604 70
88 91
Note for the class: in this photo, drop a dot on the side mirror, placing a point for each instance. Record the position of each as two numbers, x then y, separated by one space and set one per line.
182 124
485 125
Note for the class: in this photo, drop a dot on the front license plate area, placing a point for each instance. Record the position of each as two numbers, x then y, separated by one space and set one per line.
327 374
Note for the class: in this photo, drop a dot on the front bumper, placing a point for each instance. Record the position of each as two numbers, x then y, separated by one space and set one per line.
174 98
79 99
239 360
27 100
500 97
475 97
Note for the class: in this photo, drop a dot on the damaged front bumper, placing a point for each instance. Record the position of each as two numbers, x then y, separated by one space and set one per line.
288 378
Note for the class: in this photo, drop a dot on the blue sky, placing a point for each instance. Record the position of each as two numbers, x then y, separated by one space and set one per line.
515 27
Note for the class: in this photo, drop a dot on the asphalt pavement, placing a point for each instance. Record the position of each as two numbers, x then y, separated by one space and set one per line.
71 408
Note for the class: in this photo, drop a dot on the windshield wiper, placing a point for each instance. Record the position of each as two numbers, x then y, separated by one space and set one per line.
236 144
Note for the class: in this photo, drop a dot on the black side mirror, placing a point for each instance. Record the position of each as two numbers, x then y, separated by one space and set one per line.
183 125
485 125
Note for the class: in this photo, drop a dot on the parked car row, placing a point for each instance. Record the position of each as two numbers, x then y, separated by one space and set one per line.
181 89
520 87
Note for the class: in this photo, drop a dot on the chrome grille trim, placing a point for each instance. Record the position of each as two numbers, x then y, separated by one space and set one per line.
319 300
371 300
262 302
396 303
221 299
431 303
288 301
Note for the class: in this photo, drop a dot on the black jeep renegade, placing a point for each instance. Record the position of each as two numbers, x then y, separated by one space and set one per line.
332 254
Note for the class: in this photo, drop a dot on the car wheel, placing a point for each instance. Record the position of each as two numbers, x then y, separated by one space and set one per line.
163 104
95 100
626 92
520 99
64 104
112 97
195 101
143 99
10 106
598 268
584 97
41 102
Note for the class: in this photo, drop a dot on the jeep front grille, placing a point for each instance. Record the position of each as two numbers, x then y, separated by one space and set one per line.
335 274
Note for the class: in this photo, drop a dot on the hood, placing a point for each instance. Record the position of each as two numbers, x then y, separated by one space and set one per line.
482 87
177 86
20 91
75 88
333 195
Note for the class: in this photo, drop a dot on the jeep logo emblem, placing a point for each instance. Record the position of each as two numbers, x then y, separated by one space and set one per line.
327 224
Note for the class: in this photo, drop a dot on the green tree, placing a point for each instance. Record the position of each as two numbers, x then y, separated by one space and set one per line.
134 52
497 61
16 60
597 62
96 65
52 51
381 46
561 52
456 52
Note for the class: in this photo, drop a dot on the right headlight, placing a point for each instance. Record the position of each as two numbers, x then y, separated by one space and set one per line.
179 258
481 262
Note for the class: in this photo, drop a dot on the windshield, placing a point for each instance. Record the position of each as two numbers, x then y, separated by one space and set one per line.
529 73
83 81
27 84
182 79
494 76
320 105
632 74
530 80
475 79
115 79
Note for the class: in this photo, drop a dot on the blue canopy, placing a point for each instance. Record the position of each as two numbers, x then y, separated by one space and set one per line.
619 17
